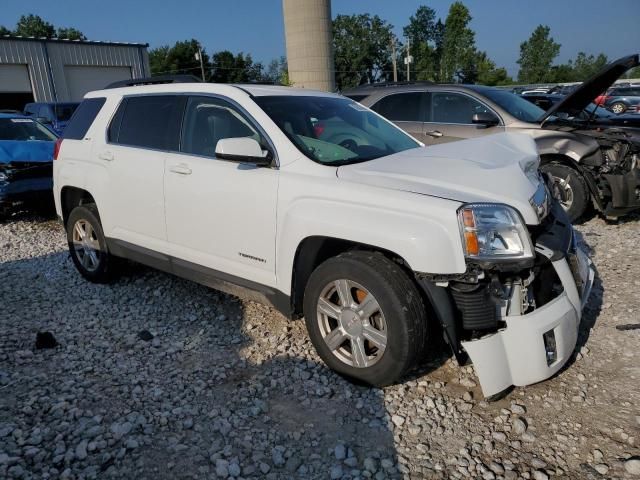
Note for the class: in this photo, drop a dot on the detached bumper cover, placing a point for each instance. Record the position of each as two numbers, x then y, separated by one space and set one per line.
516 355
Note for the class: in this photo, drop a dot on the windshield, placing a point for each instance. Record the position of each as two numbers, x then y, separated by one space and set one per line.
516 106
65 110
24 129
334 131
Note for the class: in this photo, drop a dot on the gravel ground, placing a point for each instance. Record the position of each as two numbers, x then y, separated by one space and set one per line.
155 377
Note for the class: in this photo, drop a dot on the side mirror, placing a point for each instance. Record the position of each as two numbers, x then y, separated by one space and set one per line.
243 150
43 120
485 119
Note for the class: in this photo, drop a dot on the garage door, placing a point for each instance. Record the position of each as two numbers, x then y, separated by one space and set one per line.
81 80
15 87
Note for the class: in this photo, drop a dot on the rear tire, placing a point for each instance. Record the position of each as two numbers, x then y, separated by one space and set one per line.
618 107
379 331
88 245
568 187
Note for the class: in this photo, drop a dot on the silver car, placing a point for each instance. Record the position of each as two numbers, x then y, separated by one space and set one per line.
586 163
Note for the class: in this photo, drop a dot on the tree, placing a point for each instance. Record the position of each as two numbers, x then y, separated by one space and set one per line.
230 68
458 46
633 73
585 66
362 49
487 72
421 32
179 59
537 55
4 31
34 26
277 71
70 34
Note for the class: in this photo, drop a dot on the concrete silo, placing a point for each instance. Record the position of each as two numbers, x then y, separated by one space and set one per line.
307 25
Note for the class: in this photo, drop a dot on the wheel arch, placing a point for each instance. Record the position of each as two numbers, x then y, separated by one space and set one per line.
71 197
580 168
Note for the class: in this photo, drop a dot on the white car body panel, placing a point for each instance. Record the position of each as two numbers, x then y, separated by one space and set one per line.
249 222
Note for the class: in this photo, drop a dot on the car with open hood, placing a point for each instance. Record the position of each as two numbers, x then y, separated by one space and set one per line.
26 163
588 162
322 208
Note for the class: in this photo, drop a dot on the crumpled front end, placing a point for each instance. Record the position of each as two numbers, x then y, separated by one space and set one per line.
518 322
24 181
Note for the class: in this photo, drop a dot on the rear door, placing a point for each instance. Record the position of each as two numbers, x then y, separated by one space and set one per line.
142 131
450 117
407 110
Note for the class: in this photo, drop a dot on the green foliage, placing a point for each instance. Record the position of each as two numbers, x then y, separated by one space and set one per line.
426 36
487 72
34 26
421 27
179 59
585 66
277 71
537 55
458 48
362 49
633 73
230 68
70 34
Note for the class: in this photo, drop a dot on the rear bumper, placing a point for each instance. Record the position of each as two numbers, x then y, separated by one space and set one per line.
516 354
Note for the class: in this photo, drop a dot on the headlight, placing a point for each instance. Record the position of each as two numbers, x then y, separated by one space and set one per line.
493 232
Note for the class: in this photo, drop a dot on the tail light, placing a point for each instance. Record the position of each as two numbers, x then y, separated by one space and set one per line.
56 148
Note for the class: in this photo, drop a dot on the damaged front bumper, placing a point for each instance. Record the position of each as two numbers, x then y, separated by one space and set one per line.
534 346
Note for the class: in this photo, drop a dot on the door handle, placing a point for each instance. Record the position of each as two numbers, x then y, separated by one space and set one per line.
106 155
434 133
180 169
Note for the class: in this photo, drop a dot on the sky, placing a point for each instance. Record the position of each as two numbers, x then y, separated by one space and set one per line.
256 26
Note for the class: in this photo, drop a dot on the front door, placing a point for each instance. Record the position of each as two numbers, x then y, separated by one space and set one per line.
220 215
406 110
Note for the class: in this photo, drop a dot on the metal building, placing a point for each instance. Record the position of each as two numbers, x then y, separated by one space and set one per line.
53 70
309 36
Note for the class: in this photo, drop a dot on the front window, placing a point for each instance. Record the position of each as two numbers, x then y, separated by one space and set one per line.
24 129
334 131
516 106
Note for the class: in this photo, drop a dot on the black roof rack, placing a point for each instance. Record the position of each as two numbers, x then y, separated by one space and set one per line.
155 80
389 85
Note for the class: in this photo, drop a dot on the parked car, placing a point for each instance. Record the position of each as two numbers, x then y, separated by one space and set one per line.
543 100
586 163
313 203
54 115
604 118
623 99
26 156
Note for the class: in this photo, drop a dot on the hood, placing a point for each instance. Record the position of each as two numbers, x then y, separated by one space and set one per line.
501 168
21 151
582 96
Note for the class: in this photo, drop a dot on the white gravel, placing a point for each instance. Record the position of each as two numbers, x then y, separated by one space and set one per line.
221 388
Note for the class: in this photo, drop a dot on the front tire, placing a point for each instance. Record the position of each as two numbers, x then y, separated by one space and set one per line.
365 317
568 187
88 245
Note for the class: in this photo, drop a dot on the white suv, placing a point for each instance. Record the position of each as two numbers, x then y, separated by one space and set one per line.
324 209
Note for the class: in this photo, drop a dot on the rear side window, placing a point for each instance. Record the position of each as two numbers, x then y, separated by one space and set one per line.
151 121
83 117
401 107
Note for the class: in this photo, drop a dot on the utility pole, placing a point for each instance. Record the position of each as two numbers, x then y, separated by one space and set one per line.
199 57
394 59
408 59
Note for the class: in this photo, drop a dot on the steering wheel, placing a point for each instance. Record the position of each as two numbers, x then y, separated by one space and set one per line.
349 144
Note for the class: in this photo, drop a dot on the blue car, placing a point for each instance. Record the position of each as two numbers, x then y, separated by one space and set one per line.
53 115
26 162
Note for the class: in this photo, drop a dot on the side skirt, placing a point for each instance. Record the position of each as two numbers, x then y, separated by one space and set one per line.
239 287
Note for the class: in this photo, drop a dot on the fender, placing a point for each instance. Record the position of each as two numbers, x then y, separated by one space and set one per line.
422 230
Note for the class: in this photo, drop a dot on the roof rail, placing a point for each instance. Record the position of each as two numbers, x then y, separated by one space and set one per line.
154 80
399 84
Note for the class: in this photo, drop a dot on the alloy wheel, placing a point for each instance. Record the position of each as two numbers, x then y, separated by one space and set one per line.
86 245
352 323
561 190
